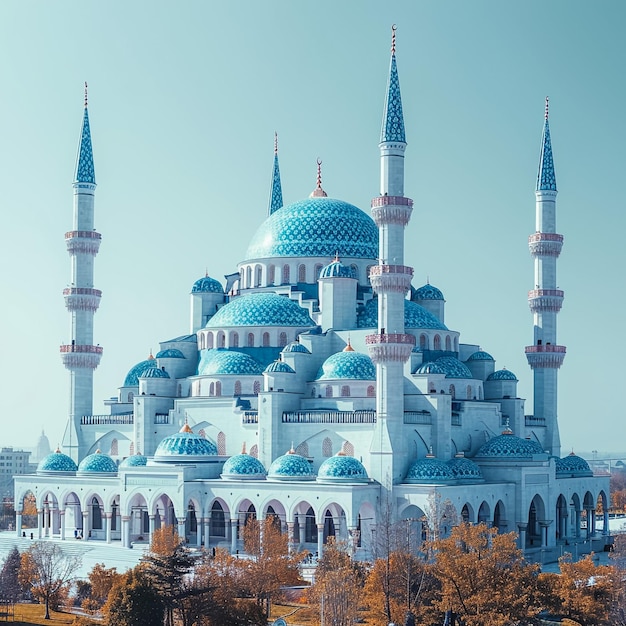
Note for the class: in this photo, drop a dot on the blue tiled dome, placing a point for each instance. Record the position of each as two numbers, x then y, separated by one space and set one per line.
184 446
170 353
426 292
336 269
453 368
480 355
509 445
464 469
316 227
243 466
97 463
279 366
572 466
206 284
154 372
415 316
261 309
56 462
342 468
219 362
135 460
296 346
430 367
290 466
502 374
135 373
347 364
429 470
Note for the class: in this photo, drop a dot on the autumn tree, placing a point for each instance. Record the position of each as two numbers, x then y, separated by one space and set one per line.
483 576
10 587
133 601
48 572
98 586
618 560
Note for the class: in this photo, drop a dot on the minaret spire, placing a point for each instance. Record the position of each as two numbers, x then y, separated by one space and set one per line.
393 119
85 171
276 191
546 179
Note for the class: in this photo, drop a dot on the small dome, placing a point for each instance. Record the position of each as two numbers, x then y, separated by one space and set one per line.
206 284
503 374
56 462
480 355
415 316
184 446
342 468
261 309
296 346
220 362
453 368
464 469
135 373
572 466
97 463
509 445
426 292
170 353
430 367
154 372
337 269
347 365
291 466
279 366
135 460
429 470
243 466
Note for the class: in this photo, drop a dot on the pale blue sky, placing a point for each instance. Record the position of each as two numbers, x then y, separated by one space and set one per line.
184 100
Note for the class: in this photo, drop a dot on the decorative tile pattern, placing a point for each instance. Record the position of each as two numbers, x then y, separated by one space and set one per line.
316 227
546 178
393 120
453 368
154 372
279 366
206 284
415 316
426 292
56 462
243 465
572 465
508 445
336 269
98 463
342 468
480 355
218 362
136 460
464 469
85 171
502 374
135 373
260 309
347 365
291 467
185 444
296 346
171 353
429 470
276 192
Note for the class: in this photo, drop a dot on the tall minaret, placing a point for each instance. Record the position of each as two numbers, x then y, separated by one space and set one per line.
80 356
390 347
276 191
545 356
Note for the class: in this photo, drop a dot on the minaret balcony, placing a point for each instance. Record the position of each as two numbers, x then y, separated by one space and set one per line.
544 300
391 210
80 356
543 356
83 241
391 278
545 244
384 348
82 299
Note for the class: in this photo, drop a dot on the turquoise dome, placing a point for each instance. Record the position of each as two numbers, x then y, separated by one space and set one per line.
316 227
56 462
171 353
464 469
243 466
426 292
342 468
453 368
347 364
429 470
502 374
136 372
480 355
184 446
291 466
336 269
206 284
154 372
220 362
135 460
430 367
296 346
415 316
97 463
279 366
509 445
572 466
261 309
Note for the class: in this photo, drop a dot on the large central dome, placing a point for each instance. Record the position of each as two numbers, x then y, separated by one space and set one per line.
316 227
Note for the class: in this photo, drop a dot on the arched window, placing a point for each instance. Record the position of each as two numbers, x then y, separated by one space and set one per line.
96 514
448 343
437 342
318 270
221 443
114 448
329 525
456 344
221 340
202 341
256 388
237 391
130 396
209 339
218 521
234 339
327 447
310 527
257 276
347 448
254 451
303 449
345 391
248 277
218 388
469 392
371 391
250 340
282 339
211 389
266 340
423 342
285 274
302 273
271 272
329 391
452 391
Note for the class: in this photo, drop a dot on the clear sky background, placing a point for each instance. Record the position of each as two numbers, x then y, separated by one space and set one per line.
184 99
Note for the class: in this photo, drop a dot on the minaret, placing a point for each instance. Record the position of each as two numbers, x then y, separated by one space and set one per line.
80 356
390 347
545 356
276 191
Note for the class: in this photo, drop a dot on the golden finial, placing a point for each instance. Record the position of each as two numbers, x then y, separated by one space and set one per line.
547 107
348 347
319 192
85 94
243 448
150 357
393 38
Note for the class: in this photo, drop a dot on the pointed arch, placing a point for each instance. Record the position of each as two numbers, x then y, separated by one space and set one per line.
327 447
237 390
282 339
347 448
250 340
329 391
448 343
303 449
266 340
217 520
286 274
437 342
423 342
256 387
302 273
209 341
254 451
452 391
271 273
221 339
114 447
221 443
234 339
371 391
345 391
257 276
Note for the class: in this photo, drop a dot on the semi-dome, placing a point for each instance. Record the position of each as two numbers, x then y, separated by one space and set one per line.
415 316
206 284
480 355
296 346
97 463
279 366
426 292
243 467
154 372
453 368
430 367
136 372
509 445
56 462
135 460
342 469
337 269
347 364
220 362
261 309
170 353
290 466
503 374
316 227
572 465
429 470
184 446
464 468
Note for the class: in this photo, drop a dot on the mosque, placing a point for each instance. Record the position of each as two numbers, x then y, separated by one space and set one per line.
317 385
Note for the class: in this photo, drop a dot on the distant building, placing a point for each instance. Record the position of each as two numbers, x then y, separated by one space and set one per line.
13 463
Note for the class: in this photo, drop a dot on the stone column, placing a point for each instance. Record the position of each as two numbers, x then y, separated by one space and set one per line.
62 523
181 528
199 522
233 536
605 526
152 526
588 533
86 525
593 522
577 513
107 525
207 533
544 524
320 540
18 523
563 534
522 527
302 528
290 526
126 531
40 523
